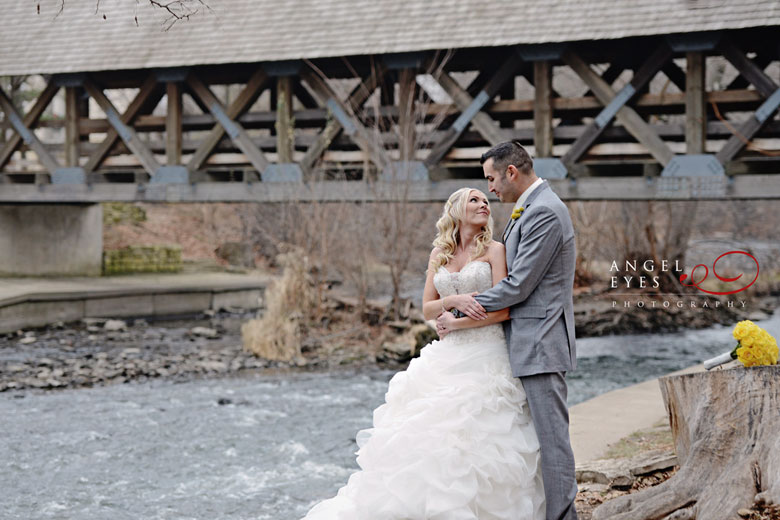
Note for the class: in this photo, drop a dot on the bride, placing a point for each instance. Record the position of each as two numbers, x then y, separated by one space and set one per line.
454 439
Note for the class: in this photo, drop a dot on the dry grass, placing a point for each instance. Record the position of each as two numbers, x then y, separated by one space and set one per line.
290 300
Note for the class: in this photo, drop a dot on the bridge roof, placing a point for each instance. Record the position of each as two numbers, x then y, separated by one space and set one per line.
80 39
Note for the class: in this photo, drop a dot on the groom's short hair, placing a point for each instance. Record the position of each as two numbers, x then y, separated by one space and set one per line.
510 152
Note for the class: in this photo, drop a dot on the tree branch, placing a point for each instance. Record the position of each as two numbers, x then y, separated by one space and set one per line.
177 9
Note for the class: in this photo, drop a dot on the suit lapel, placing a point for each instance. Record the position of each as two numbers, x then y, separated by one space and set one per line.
506 230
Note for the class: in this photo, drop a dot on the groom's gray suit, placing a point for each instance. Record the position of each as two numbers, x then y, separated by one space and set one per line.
540 257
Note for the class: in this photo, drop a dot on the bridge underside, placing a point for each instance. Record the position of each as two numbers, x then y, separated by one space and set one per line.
670 117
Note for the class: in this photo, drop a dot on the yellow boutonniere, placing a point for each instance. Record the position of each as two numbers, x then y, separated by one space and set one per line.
517 212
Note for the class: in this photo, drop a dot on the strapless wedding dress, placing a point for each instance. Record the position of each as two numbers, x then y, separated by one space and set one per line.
454 439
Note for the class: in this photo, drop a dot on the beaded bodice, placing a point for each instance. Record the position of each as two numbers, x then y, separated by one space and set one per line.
475 276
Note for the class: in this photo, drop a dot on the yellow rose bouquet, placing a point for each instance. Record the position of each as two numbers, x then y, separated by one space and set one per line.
755 347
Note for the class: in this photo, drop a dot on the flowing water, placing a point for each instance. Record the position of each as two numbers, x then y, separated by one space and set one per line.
265 446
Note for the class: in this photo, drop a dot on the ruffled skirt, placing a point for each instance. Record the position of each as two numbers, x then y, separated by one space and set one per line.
454 440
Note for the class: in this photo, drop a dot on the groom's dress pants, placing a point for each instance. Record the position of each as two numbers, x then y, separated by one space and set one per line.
546 395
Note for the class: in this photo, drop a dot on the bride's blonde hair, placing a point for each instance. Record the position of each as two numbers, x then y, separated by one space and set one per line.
448 226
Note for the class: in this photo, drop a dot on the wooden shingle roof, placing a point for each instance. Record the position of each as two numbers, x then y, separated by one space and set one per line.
235 31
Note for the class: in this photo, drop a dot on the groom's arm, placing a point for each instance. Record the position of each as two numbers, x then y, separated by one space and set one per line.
539 244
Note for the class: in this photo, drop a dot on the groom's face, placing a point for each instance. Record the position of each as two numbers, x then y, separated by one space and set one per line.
498 182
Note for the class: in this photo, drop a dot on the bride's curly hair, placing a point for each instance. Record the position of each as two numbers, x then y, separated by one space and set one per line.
448 226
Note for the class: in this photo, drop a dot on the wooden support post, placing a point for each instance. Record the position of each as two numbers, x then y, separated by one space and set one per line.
125 131
356 98
173 131
695 111
543 130
407 81
71 127
26 134
143 97
29 121
234 130
250 93
285 138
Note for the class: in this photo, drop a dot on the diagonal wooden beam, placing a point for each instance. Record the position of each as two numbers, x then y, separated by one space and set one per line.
27 135
125 131
356 98
249 94
762 60
749 129
349 122
302 95
765 85
141 99
615 106
234 130
675 74
29 121
471 109
752 72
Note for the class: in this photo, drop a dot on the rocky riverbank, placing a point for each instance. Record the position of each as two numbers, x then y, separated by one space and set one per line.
97 352
603 314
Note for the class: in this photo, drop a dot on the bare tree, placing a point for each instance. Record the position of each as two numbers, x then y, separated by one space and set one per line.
176 10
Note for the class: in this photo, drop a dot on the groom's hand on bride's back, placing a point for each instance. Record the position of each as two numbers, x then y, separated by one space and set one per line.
466 304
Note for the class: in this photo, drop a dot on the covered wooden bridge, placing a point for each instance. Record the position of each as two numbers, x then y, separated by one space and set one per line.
247 99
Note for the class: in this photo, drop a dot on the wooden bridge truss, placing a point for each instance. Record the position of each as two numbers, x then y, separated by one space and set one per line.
356 128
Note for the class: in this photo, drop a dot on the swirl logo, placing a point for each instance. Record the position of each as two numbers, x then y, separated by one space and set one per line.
695 283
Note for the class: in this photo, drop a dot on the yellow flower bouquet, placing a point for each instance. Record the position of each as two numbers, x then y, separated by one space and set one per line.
755 347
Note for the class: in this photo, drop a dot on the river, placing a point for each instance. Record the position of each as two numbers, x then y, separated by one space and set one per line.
260 446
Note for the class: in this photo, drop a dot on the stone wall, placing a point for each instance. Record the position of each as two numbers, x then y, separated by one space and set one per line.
142 259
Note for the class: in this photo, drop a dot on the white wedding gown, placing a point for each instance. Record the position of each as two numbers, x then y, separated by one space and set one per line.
454 439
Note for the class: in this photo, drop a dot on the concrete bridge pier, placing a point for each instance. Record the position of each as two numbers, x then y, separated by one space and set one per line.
51 239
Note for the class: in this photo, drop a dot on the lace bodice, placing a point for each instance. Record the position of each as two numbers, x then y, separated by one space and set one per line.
475 276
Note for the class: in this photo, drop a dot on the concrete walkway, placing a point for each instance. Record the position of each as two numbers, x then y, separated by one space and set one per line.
35 302
598 423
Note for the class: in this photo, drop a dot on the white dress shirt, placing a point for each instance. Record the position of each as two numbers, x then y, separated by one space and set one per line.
521 201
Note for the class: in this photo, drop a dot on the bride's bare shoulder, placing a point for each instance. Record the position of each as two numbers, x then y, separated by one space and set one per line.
434 255
496 248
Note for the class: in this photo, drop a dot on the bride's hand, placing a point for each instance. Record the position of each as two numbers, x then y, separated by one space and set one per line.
466 304
445 324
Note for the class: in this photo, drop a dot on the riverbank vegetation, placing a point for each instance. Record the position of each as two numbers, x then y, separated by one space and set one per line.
366 264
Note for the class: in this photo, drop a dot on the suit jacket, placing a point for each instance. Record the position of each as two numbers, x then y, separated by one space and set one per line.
540 257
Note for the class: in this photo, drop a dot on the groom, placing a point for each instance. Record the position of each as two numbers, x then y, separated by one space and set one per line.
540 257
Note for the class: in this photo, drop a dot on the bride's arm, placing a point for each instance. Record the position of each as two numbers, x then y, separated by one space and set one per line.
432 302
496 257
